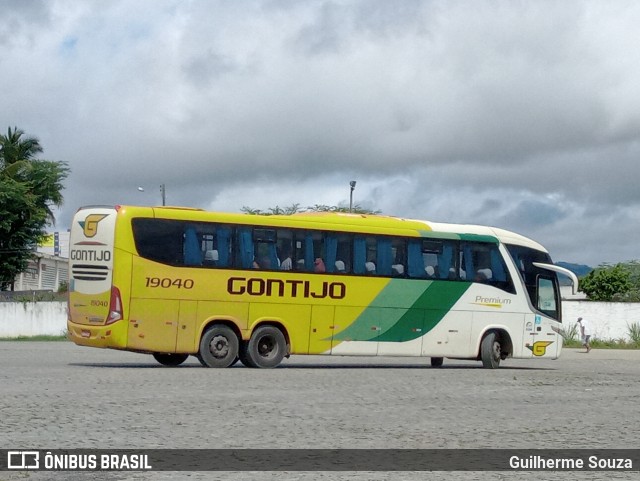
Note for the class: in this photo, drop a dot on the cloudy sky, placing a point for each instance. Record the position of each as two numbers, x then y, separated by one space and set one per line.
520 114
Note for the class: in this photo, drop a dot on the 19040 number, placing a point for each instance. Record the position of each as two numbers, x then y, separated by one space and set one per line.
166 283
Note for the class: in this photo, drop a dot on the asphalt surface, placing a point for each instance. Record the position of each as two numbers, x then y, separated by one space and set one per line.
55 395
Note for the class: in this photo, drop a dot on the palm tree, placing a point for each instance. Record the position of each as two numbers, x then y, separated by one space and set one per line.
16 153
29 188
42 178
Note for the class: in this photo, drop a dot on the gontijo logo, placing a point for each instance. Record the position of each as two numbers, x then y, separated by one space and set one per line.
539 348
90 224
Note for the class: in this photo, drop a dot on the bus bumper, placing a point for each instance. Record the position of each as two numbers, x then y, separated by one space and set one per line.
112 335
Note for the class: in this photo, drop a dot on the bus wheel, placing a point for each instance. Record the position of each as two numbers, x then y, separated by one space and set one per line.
437 361
218 347
244 357
267 347
205 365
170 359
490 351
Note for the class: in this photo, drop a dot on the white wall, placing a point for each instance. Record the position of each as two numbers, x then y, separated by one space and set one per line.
32 318
609 320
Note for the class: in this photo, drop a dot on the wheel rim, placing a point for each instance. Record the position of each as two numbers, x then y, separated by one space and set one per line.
219 347
496 351
267 347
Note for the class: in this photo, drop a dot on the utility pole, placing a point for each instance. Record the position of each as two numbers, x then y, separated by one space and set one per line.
353 186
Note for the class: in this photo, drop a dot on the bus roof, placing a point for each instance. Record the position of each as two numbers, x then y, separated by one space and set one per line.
342 220
505 236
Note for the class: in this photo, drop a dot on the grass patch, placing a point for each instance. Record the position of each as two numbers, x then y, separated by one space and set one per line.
571 339
42 337
604 344
570 334
634 332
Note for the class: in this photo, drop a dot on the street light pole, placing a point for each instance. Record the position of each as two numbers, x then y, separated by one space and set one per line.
353 186
162 193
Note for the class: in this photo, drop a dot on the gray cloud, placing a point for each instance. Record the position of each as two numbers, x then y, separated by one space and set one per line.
19 20
521 115
534 213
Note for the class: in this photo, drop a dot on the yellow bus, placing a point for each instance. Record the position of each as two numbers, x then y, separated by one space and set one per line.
223 287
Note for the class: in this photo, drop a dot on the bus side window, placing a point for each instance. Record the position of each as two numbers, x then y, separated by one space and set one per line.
284 249
431 258
310 251
191 248
264 247
365 255
359 255
414 259
467 262
483 263
245 253
215 244
223 245
384 256
399 257
547 296
159 240
446 260
331 251
343 254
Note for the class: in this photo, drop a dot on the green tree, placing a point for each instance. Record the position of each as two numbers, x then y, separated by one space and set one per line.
633 294
606 283
277 210
29 188
357 209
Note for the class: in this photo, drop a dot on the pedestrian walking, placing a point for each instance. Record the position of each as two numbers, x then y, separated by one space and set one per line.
585 333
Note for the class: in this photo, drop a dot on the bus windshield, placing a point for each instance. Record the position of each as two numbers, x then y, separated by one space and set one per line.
542 285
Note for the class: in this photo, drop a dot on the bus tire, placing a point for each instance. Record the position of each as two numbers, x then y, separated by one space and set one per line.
244 358
490 351
437 361
170 359
267 347
204 364
218 347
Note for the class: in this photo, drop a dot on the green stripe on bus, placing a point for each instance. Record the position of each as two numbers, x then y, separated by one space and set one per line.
388 307
434 303
479 238
386 320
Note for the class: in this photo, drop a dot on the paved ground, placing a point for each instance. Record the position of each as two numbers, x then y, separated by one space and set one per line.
57 395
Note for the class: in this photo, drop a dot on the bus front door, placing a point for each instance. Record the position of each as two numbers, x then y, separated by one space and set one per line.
539 338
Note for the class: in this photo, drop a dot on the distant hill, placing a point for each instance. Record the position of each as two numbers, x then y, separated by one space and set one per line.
579 270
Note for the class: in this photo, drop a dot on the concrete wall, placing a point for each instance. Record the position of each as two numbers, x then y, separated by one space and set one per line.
609 320
32 318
